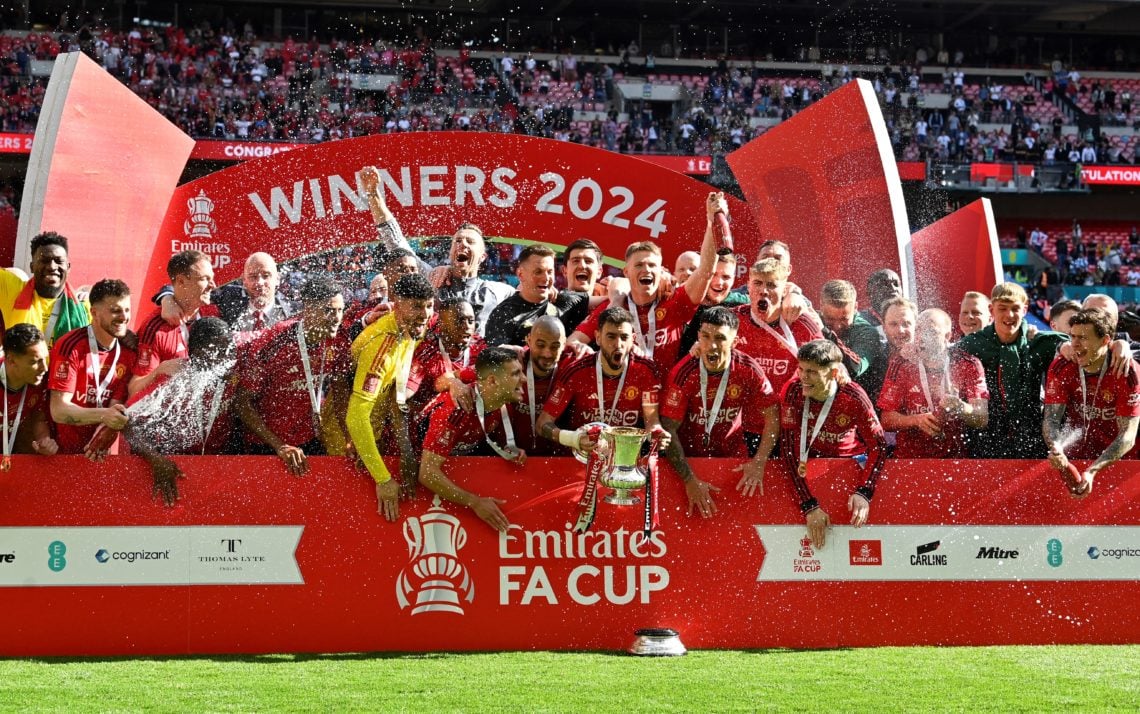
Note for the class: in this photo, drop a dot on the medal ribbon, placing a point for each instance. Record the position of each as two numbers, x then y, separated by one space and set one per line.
602 413
805 445
1084 388
710 417
315 389
646 344
96 366
925 381
10 441
787 339
511 452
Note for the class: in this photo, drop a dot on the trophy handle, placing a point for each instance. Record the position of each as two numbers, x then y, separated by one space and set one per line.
414 535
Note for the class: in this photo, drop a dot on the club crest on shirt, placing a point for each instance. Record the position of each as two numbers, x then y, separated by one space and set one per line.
1106 395
734 391
660 314
843 420
631 392
120 371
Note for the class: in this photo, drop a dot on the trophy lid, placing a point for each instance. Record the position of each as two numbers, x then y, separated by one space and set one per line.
657 642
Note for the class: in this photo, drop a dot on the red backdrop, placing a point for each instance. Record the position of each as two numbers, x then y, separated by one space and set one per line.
964 553
956 254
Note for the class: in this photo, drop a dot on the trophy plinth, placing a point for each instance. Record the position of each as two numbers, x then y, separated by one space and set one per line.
625 476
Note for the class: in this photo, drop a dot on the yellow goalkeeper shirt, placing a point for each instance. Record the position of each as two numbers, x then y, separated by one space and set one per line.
383 359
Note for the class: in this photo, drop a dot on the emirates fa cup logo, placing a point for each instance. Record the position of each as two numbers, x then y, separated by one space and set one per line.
434 573
199 224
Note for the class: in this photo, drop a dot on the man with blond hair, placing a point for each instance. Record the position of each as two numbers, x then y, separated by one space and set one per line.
1015 367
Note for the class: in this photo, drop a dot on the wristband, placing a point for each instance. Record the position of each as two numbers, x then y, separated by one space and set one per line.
569 437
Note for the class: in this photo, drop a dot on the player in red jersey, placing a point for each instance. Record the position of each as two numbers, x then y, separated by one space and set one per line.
542 360
192 276
712 401
25 428
659 322
931 402
764 334
446 354
1088 401
186 412
287 372
487 429
90 369
826 416
613 386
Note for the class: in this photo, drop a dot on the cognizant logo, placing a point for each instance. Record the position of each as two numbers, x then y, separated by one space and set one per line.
1096 553
103 555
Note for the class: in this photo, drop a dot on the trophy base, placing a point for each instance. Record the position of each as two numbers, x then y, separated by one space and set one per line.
622 497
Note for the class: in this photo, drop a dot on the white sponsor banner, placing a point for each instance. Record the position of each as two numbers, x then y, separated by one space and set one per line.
952 553
161 555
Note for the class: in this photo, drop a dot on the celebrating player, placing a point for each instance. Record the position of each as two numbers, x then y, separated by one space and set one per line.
484 430
91 368
825 416
544 355
613 386
383 354
22 368
1088 404
715 400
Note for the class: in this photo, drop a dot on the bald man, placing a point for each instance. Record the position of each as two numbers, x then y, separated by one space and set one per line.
253 306
545 353
687 264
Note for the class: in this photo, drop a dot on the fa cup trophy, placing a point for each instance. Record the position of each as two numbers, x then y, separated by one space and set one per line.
624 475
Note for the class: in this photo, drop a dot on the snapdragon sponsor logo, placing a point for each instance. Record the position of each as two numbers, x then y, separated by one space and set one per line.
588 583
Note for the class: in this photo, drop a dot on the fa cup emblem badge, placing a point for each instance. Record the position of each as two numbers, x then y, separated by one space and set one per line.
434 574
199 224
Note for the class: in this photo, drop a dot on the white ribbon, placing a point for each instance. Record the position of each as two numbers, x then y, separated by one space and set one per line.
710 417
10 442
925 381
96 365
787 339
405 371
511 452
1084 388
211 416
646 344
316 390
805 445
602 413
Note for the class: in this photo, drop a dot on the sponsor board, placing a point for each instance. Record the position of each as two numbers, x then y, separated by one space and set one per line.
128 555
950 553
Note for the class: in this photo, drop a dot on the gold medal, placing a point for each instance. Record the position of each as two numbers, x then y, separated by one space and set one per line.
6 464
802 469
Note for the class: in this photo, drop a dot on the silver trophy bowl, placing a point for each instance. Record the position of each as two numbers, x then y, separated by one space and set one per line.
657 642
624 476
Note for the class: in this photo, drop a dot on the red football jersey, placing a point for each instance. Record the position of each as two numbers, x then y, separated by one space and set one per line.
530 442
160 341
218 437
35 406
671 317
851 429
271 368
902 393
748 393
429 363
777 359
576 391
455 432
72 372
1109 398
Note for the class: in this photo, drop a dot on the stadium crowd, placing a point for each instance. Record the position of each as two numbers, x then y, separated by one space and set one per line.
428 361
229 84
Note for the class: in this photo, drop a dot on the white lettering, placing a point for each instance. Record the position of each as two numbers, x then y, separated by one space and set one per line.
572 585
469 180
278 202
499 180
430 186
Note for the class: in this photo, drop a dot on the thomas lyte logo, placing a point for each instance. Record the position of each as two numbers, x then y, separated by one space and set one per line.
433 573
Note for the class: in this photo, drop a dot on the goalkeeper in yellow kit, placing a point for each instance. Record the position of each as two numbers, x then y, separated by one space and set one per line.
383 355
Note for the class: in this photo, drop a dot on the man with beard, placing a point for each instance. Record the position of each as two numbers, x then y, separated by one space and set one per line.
383 356
544 356
286 373
460 278
1015 367
614 386
659 323
974 313
931 402
717 400
764 333
882 285
192 276
582 267
512 319
486 430
442 360
856 338
46 300
91 368
823 415
22 368
1090 411
184 413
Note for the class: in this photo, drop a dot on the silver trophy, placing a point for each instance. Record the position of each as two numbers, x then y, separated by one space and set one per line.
624 475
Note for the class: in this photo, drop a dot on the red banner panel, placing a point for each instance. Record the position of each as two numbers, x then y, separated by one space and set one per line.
211 150
1111 175
691 165
253 560
825 183
309 200
15 143
956 254
912 170
101 173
